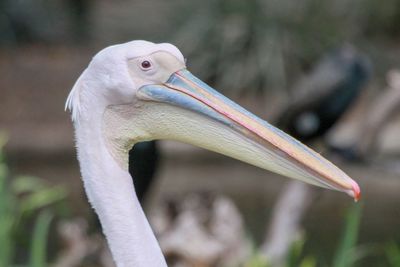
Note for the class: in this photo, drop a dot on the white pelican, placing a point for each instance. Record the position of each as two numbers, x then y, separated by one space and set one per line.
140 91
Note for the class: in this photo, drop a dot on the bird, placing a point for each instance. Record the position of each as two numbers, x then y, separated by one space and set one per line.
140 91
321 98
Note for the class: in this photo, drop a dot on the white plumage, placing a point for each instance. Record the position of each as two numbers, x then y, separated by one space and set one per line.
142 91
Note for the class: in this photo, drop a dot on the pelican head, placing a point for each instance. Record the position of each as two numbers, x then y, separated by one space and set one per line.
139 91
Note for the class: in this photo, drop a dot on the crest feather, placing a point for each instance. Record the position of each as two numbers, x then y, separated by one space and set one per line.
73 100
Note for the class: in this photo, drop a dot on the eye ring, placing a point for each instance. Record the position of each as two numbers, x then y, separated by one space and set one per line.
145 65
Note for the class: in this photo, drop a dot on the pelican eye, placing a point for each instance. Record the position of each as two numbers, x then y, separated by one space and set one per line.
146 65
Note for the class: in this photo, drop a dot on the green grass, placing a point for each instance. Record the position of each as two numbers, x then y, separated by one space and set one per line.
38 257
24 199
346 254
392 252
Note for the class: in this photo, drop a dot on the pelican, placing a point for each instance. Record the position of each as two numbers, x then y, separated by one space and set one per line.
140 91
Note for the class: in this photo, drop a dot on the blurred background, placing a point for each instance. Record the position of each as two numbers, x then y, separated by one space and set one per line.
324 71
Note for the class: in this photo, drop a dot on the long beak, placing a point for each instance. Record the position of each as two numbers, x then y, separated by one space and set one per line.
216 123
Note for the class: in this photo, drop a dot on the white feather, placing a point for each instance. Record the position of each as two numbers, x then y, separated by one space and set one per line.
73 100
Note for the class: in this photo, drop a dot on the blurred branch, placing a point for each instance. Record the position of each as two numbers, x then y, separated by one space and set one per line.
287 214
378 116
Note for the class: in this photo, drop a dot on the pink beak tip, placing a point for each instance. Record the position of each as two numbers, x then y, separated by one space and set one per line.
356 192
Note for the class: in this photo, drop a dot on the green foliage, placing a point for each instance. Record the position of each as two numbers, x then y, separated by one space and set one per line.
308 261
346 254
39 240
21 198
393 254
295 257
257 260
